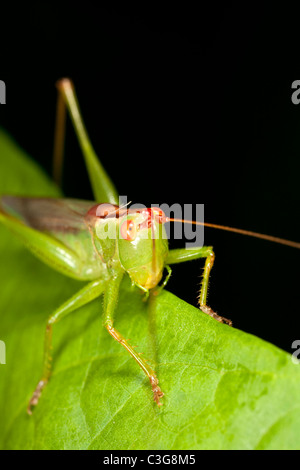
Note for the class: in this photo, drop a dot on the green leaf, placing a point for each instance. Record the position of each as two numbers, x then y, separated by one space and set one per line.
224 389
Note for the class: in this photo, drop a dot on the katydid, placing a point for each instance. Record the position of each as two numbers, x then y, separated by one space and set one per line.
71 237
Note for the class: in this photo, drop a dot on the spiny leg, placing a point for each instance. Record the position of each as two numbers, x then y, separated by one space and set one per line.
110 300
157 393
204 288
91 291
180 255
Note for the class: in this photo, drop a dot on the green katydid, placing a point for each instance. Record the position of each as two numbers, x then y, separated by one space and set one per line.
71 236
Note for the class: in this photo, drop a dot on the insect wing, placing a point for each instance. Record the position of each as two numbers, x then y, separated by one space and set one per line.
63 219
48 214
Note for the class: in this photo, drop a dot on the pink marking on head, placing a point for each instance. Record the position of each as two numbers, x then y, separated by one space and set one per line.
152 214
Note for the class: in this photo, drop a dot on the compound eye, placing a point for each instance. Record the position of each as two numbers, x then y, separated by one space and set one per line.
128 230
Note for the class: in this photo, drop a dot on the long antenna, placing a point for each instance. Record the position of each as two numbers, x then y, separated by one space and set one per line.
282 241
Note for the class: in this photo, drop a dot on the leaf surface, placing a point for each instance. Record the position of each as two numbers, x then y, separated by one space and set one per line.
224 389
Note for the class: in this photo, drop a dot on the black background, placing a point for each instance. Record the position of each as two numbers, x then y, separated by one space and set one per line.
182 106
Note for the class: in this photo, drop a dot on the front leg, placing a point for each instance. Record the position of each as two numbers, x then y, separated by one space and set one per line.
110 300
180 255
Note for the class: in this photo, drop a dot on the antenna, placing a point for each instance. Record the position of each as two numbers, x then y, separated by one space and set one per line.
270 238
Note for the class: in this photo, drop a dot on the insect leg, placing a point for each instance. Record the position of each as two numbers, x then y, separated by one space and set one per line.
103 188
110 299
59 139
165 282
88 293
180 255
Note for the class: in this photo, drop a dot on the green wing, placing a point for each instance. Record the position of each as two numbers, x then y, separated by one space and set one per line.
62 219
